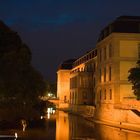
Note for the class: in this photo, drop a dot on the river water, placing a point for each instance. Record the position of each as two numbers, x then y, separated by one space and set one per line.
64 126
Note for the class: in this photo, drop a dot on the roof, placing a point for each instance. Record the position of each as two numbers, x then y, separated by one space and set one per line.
66 64
122 24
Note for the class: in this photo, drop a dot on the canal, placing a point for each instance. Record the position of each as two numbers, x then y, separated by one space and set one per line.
64 126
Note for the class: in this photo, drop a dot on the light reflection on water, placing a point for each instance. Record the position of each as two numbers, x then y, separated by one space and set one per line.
61 126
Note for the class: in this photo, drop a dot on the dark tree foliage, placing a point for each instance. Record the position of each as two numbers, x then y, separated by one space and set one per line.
51 87
134 78
19 80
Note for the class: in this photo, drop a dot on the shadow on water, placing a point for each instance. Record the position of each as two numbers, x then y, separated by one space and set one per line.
63 126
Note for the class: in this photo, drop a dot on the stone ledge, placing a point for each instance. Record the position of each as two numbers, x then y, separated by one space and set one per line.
121 125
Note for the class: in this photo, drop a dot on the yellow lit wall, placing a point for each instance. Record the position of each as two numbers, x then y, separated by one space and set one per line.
128 48
126 91
125 66
124 54
63 85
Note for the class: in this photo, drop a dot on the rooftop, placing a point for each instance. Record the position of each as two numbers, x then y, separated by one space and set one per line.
122 24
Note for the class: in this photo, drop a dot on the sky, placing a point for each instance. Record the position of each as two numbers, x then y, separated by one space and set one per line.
57 30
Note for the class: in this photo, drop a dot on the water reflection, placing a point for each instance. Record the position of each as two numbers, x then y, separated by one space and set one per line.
63 126
70 127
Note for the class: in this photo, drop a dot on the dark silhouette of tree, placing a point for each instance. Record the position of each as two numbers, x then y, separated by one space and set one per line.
134 78
51 87
20 82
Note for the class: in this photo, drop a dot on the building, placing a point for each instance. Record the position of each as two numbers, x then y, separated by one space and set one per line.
100 77
63 84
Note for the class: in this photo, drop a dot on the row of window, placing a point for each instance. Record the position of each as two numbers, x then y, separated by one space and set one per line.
85 58
82 81
91 67
105 52
73 82
104 72
103 95
73 97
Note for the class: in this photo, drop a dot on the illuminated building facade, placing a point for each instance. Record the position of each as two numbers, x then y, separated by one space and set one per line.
100 77
82 80
118 51
63 83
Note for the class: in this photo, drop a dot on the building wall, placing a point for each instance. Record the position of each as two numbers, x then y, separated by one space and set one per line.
82 87
116 55
63 86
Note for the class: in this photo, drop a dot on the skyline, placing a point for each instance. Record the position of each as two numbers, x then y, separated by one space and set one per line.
59 30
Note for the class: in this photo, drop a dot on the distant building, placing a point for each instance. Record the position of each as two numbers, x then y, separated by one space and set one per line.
63 83
100 77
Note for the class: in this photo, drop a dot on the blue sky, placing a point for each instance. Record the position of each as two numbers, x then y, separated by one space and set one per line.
56 30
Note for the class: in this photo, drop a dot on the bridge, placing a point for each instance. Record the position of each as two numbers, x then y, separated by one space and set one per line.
53 100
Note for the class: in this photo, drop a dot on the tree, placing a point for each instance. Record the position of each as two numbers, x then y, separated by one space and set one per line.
20 82
134 78
51 87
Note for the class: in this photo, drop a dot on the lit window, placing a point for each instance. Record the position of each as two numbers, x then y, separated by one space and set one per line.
110 71
105 95
105 74
110 94
65 99
110 50
100 95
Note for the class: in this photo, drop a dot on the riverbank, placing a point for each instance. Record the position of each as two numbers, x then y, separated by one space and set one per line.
122 125
90 113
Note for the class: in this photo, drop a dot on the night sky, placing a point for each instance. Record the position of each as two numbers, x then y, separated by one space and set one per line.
57 30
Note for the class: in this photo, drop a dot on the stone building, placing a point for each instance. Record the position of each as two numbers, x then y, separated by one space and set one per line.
63 84
100 77
118 51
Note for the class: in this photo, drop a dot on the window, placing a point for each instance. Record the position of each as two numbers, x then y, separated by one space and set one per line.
105 74
70 97
100 75
110 71
100 95
110 94
65 99
100 55
84 97
139 50
94 82
110 50
105 95
75 98
105 53
94 67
